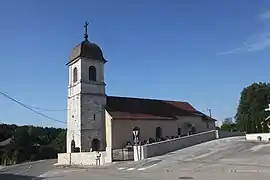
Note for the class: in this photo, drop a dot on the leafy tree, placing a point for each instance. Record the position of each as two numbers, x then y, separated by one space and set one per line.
30 143
228 125
59 143
251 113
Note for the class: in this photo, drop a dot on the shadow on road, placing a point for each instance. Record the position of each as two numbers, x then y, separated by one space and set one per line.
19 177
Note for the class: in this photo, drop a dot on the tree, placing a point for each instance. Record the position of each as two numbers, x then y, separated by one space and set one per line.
59 143
30 143
228 125
251 109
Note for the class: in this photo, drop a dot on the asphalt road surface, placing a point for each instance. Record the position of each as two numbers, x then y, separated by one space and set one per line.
221 159
27 171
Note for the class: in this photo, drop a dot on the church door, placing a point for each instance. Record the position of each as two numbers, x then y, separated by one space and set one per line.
95 145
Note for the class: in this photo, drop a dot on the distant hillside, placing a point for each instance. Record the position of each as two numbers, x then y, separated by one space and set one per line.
29 143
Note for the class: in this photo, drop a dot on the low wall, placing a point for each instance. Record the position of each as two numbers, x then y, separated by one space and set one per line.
160 148
254 137
225 134
82 158
122 154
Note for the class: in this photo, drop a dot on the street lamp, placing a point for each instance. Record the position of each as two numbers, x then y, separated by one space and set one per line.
136 132
136 135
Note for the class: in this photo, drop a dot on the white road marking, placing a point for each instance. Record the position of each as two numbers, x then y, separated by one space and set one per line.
142 169
33 162
246 170
216 170
185 169
52 173
130 169
24 170
121 168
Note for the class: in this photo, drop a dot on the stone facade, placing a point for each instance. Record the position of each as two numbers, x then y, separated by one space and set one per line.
86 102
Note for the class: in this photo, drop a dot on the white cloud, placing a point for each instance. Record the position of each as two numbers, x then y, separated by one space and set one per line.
265 15
261 42
232 51
256 42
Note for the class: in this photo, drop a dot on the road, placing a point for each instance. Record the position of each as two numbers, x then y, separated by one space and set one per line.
27 171
219 159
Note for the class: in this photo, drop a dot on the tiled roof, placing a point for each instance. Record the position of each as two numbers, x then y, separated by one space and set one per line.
87 49
150 109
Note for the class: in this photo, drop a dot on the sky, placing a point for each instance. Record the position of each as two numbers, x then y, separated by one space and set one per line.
203 52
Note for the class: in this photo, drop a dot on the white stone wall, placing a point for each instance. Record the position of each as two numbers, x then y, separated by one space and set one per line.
74 111
108 137
254 137
84 158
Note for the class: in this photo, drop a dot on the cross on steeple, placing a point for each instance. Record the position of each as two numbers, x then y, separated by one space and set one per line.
85 32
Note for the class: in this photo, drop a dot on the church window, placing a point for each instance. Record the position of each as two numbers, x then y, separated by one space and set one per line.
179 131
92 73
158 132
75 75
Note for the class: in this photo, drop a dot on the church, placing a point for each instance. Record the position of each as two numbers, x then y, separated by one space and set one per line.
97 122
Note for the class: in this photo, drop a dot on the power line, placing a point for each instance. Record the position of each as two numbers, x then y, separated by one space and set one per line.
44 109
29 108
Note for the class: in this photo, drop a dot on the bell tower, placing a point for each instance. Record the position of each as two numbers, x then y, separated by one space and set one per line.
86 98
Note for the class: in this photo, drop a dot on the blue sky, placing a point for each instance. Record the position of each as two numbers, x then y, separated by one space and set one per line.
203 52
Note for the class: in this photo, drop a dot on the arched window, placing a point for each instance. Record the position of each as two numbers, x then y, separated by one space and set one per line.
179 132
92 73
158 132
75 75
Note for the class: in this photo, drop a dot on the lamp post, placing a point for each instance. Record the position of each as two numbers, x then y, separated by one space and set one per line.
136 140
136 136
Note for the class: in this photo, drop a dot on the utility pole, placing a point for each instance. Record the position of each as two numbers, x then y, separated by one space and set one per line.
210 112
